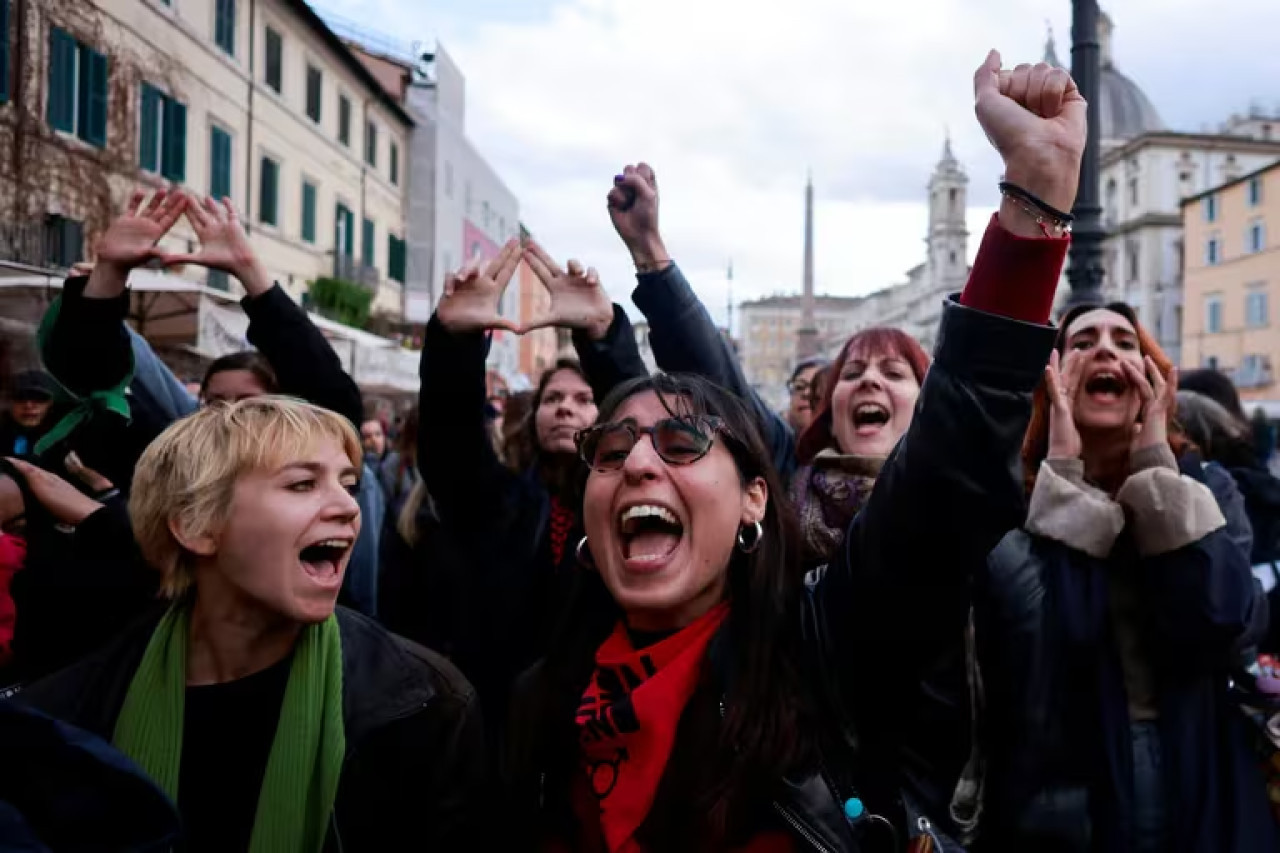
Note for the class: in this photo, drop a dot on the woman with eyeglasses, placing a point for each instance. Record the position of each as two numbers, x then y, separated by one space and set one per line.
512 531
1109 625
700 691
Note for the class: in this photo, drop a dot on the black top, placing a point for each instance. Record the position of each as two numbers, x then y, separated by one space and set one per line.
226 740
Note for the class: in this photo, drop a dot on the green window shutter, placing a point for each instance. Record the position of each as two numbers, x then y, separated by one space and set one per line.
148 129
366 243
344 120
308 212
371 144
345 235
268 185
174 160
4 51
395 163
315 92
219 163
275 60
395 258
62 81
224 30
93 97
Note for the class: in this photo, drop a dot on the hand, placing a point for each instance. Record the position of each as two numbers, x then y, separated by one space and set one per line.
577 299
633 207
130 241
471 297
65 502
1061 382
224 245
97 483
1159 396
1036 118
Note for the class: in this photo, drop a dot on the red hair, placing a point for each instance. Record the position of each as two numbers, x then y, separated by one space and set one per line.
1035 445
881 341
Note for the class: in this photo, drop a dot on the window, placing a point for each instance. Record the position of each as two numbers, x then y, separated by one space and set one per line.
4 51
1133 192
269 192
1255 309
484 208
1134 263
1213 251
308 211
395 258
77 88
467 195
224 25
219 163
314 93
1255 191
1256 236
371 144
395 164
218 280
1210 207
1211 362
275 60
63 241
448 179
344 120
162 135
343 231
1213 314
366 243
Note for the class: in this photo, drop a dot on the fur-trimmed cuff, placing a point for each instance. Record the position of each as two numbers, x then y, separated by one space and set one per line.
1066 510
1169 510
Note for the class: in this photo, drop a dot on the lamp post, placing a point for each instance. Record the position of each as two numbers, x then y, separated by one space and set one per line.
1084 271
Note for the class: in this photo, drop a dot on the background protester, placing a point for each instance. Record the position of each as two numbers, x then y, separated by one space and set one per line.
373 437
272 721
698 680
866 408
513 531
27 420
1110 623
802 387
1223 439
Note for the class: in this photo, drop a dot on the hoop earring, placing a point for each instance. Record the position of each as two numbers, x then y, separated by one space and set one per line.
749 547
585 562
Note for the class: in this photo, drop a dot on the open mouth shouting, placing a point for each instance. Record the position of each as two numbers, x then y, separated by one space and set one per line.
324 559
650 533
869 418
1106 387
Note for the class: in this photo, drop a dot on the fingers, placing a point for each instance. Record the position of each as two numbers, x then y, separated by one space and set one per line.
1056 85
1071 373
645 171
86 475
540 321
1035 87
593 277
135 202
574 268
634 180
620 197
171 210
510 257
152 206
460 280
198 213
1140 382
1053 378
1019 84
177 259
217 213
986 78
543 265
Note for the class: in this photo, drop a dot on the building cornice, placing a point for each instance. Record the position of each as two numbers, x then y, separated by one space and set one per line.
1202 141
1147 220
1229 184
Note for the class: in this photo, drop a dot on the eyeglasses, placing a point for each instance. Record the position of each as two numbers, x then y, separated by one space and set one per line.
800 386
678 441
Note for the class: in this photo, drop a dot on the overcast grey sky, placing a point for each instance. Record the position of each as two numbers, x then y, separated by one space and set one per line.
732 100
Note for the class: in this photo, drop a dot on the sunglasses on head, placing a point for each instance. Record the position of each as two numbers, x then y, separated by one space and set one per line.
677 441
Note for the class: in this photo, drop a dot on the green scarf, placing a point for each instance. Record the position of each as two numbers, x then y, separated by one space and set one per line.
84 408
301 779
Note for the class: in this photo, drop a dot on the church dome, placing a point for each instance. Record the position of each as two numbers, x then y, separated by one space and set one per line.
1124 109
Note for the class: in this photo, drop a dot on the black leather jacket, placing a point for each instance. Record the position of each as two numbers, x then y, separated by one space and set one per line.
895 595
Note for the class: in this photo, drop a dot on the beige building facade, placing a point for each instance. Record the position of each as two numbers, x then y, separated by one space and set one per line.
257 101
1232 281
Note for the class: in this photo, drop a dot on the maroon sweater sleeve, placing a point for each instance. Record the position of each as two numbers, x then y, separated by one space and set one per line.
1015 276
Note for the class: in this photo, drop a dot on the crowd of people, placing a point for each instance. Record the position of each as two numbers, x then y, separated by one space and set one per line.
1013 595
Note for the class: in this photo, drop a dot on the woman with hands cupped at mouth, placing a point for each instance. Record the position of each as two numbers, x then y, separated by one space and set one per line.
513 532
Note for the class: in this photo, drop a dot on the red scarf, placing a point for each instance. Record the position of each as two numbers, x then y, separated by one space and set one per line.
627 720
13 551
562 521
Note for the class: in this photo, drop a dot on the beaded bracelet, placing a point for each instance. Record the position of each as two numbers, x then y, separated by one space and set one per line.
1053 222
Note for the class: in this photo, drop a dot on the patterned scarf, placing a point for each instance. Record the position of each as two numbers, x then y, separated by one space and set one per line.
827 493
628 717
562 521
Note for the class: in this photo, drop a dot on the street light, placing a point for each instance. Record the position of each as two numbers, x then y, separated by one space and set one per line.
1085 272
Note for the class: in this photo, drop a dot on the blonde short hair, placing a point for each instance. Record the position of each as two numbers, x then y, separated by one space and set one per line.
188 473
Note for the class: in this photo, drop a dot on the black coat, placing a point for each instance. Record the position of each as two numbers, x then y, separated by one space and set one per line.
1057 720
874 620
503 585
414 774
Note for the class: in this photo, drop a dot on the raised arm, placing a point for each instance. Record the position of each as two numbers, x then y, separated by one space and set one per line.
681 332
303 361
953 486
460 469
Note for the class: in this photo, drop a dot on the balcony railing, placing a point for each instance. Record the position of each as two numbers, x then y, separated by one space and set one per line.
351 269
55 243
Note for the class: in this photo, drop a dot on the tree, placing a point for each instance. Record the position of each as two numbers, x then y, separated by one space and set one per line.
341 300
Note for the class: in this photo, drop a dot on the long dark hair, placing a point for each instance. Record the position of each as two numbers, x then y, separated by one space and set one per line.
756 666
560 473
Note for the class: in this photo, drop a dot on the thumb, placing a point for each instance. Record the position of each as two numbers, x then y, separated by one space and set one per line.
175 259
987 78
